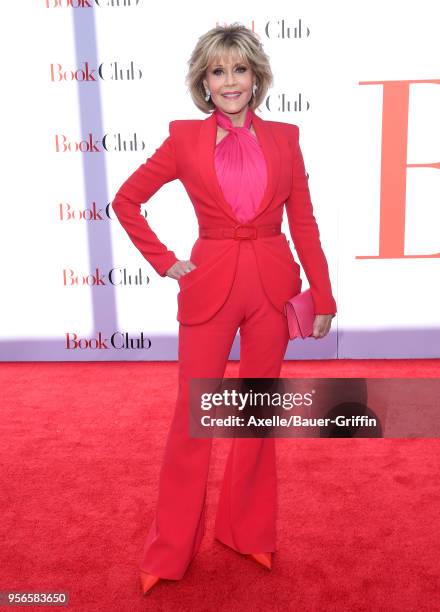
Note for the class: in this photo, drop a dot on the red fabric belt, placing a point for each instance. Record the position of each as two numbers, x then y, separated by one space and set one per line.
240 232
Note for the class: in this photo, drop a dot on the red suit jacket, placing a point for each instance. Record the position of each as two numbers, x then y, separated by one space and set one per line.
187 154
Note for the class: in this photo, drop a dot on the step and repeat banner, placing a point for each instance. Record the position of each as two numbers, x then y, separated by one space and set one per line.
89 88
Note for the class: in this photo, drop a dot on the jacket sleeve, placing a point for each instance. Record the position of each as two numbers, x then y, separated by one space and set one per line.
305 233
157 170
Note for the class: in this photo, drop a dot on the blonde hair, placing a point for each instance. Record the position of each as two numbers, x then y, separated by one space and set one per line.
221 41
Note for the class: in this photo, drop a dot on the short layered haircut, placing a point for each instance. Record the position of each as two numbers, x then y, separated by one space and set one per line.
225 41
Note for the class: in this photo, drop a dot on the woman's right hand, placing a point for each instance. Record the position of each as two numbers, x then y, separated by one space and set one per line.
180 268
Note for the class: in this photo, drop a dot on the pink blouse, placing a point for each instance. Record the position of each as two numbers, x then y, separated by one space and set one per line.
240 166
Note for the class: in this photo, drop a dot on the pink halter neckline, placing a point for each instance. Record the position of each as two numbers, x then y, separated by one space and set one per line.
240 166
226 122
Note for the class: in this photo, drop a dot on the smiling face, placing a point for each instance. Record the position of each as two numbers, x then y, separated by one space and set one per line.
230 75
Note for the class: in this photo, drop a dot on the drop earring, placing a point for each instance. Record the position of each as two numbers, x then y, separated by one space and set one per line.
254 89
208 94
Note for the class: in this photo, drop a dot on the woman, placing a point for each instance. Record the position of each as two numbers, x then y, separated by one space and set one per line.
240 172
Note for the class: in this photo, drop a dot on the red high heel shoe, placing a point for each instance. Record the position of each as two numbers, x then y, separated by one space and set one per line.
148 581
264 559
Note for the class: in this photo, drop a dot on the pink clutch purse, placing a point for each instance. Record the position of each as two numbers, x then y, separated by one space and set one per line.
300 313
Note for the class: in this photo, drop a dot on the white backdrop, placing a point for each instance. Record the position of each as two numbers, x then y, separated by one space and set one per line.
360 79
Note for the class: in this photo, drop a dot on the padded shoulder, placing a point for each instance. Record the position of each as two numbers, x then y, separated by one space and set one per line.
183 126
185 123
287 131
291 128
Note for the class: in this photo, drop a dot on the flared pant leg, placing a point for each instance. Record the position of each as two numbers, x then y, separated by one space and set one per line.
247 508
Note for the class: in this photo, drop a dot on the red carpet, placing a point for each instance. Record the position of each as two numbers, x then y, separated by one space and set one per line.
81 449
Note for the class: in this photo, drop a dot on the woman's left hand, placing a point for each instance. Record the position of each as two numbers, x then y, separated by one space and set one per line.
321 325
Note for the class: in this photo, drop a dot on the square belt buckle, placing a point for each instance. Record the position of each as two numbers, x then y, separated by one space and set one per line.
245 232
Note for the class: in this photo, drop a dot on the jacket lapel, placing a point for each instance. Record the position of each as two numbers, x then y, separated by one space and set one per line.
206 151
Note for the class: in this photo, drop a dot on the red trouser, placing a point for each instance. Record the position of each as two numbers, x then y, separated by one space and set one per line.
246 514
